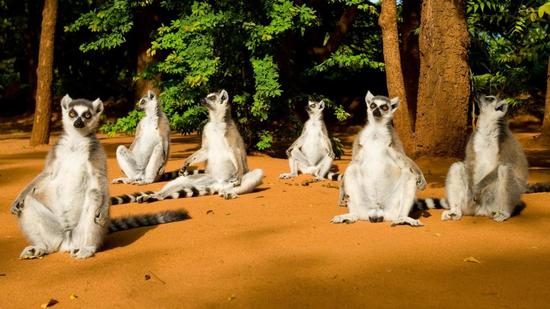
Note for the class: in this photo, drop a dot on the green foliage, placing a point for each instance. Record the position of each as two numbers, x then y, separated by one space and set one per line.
125 125
337 147
510 47
243 47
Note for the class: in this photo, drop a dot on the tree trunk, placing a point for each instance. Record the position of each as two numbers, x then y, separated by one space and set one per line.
546 121
410 57
146 21
394 74
43 111
444 79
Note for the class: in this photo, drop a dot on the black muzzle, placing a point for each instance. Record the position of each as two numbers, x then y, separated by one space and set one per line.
376 113
79 123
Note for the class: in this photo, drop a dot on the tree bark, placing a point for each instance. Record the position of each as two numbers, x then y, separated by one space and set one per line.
410 57
444 90
41 127
394 73
342 27
146 21
545 132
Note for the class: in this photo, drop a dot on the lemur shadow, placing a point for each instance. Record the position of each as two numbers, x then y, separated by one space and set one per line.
125 238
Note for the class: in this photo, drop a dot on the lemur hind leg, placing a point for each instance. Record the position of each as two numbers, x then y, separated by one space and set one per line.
295 159
154 166
401 200
507 194
358 200
459 196
41 227
249 182
128 164
323 167
87 236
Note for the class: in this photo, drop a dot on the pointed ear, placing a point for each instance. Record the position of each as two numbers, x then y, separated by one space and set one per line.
151 95
65 101
368 97
98 106
394 103
322 104
224 97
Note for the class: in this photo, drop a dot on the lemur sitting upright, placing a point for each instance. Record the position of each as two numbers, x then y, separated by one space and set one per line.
312 152
66 207
144 162
380 181
223 150
494 174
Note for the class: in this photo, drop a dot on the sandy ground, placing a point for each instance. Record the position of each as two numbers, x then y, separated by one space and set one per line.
276 248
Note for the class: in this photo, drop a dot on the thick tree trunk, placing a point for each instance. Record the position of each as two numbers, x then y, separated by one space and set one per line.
410 55
444 79
43 111
546 121
394 74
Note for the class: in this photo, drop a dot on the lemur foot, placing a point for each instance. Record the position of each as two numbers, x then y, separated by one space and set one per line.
407 220
345 218
83 253
376 215
500 216
32 252
228 194
17 207
451 215
287 176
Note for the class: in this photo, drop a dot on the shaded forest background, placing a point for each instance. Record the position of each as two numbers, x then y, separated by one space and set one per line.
272 56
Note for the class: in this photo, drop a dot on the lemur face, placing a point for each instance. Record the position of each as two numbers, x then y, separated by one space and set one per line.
315 108
491 106
80 114
148 102
216 101
380 107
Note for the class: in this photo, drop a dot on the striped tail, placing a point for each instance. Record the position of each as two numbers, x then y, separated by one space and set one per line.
538 187
128 198
131 222
183 193
430 203
175 174
334 176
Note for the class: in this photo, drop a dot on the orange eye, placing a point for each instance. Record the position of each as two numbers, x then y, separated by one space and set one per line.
384 107
87 115
72 113
373 106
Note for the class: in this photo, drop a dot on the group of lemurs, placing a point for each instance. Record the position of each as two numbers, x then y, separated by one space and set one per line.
66 207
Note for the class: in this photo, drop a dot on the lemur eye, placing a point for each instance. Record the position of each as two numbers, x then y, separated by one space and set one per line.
87 115
500 108
384 107
211 97
373 106
72 113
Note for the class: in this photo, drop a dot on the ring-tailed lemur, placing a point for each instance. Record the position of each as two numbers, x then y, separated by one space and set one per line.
381 181
66 207
494 174
144 162
223 150
312 152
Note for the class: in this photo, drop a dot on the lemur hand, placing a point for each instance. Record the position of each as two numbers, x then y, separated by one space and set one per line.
17 206
183 170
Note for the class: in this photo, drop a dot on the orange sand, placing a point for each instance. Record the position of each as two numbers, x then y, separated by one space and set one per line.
276 248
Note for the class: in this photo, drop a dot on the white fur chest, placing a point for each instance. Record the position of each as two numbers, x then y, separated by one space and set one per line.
375 162
312 147
69 181
148 136
220 163
486 151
